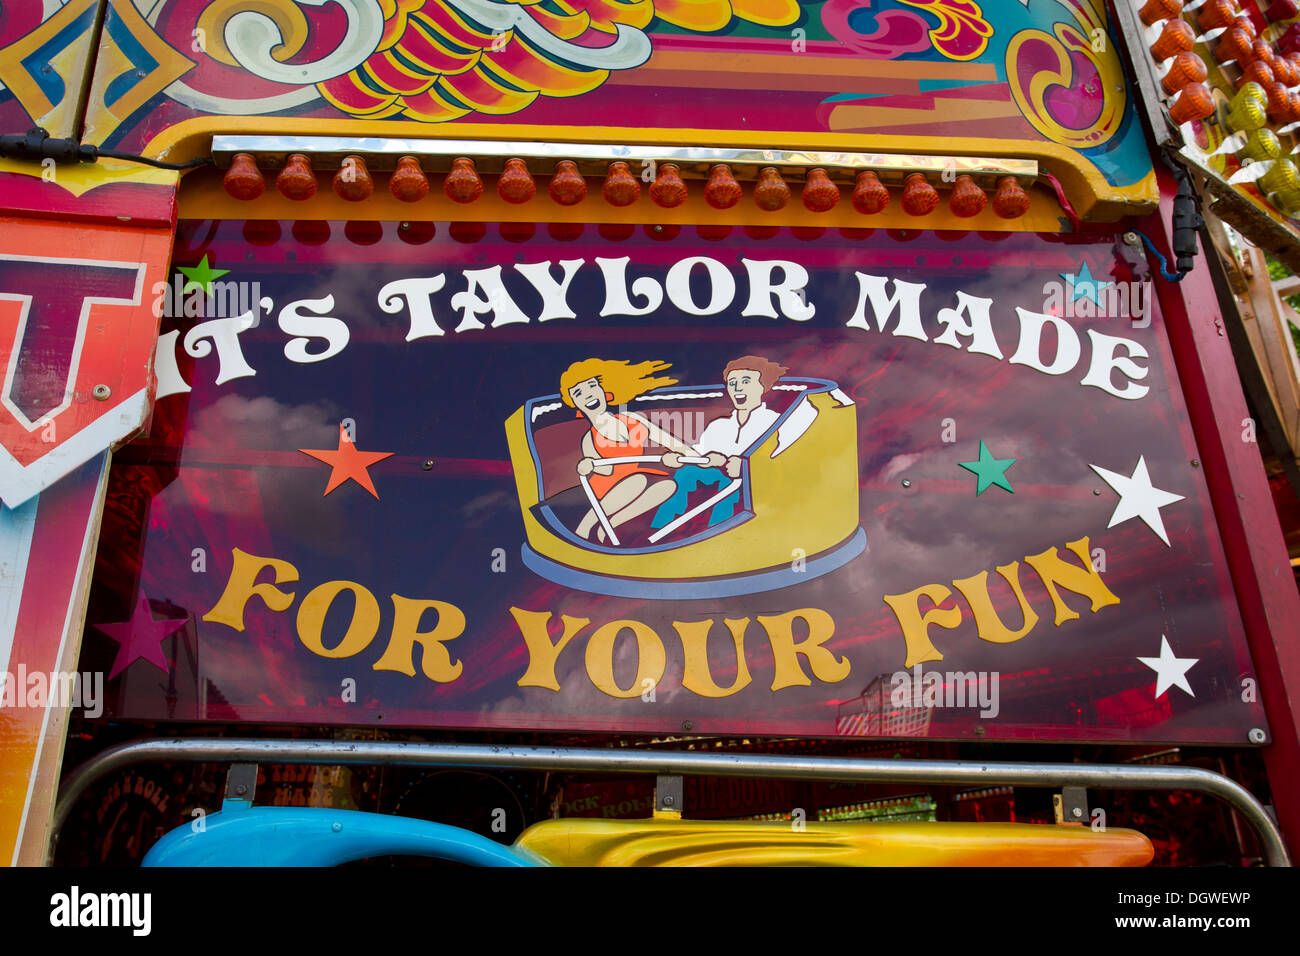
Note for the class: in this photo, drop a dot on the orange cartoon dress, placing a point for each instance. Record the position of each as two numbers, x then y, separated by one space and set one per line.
635 445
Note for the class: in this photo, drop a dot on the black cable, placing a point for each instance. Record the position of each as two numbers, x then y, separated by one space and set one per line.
36 145
113 154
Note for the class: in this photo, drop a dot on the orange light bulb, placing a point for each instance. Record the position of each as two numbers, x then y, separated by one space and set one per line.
243 180
408 182
819 193
722 191
567 186
296 181
771 192
1176 37
869 195
668 191
353 181
463 183
919 197
515 184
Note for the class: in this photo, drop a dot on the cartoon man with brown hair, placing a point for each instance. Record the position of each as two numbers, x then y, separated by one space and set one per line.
724 440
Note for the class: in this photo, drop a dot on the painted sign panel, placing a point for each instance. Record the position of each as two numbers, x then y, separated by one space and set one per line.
1041 78
653 480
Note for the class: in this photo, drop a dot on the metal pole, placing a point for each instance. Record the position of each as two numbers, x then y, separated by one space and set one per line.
652 762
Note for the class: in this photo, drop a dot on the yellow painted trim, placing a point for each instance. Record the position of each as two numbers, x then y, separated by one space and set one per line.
1089 193
81 178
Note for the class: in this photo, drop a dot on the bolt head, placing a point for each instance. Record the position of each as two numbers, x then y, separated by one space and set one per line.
1076 811
687 725
907 483
668 801
101 392
1256 735
1131 239
428 464
241 789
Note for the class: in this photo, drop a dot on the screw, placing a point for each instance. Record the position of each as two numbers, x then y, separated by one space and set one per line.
1196 463
906 483
1256 735
336 827
659 228
1076 811
101 392
979 730
687 725
668 801
1131 239
1096 491
428 464
241 788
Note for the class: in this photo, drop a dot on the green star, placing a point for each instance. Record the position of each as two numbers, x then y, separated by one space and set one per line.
200 276
991 471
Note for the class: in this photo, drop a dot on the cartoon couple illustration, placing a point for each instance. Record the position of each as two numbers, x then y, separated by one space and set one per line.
628 489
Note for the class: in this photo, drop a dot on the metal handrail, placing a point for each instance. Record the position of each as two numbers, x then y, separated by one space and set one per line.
954 772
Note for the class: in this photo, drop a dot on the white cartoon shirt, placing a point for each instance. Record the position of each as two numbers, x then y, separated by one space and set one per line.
728 437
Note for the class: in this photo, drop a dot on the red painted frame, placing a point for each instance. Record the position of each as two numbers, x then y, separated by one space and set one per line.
1243 505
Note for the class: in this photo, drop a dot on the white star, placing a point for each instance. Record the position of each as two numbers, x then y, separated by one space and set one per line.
1170 671
1138 498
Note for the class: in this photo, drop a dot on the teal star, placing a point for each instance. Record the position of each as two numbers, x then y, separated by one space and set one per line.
200 276
990 470
1082 284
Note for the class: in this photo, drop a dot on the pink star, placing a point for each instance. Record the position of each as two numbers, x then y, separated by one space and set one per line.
141 637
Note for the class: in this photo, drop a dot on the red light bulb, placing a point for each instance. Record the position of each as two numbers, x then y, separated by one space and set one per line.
869 195
243 180
353 181
771 192
515 184
463 183
296 181
1281 10
668 191
819 193
1010 201
722 190
408 182
567 187
621 188
919 197
967 199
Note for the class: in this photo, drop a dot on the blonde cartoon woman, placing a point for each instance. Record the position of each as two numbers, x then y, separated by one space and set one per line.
628 489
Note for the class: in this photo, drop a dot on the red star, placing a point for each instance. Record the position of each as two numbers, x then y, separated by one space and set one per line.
141 637
347 462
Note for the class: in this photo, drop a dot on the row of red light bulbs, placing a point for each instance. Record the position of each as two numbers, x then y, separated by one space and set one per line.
1239 43
408 183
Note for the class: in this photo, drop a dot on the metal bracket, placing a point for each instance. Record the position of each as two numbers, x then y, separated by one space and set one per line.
241 781
961 773
669 793
1071 805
